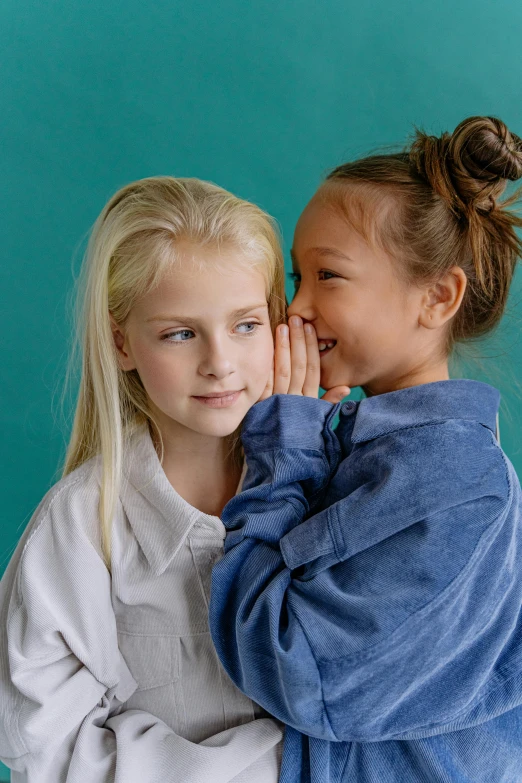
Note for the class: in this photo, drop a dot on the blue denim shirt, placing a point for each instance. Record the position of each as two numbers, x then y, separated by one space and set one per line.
371 591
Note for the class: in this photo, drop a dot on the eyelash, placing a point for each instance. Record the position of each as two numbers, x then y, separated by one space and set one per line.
327 272
181 331
296 277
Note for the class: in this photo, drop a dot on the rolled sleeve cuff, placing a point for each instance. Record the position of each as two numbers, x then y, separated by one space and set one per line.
289 421
308 541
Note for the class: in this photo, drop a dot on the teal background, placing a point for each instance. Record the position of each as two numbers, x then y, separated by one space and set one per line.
262 98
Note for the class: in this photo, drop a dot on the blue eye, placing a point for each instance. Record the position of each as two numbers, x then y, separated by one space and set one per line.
178 337
252 324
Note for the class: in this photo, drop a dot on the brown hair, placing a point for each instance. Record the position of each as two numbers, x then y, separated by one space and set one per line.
435 205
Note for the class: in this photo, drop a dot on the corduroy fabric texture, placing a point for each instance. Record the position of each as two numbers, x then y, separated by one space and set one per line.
371 590
116 679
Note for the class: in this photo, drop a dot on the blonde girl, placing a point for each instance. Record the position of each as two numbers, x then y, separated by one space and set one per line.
107 669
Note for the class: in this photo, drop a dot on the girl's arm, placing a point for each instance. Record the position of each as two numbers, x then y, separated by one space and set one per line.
383 616
63 679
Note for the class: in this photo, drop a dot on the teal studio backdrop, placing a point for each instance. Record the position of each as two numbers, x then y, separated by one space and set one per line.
262 98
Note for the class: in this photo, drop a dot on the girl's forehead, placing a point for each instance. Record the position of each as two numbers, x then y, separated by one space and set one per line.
323 218
321 229
342 220
188 289
191 254
348 212
187 278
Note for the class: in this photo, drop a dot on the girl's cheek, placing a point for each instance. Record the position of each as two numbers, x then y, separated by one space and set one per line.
260 361
269 351
162 373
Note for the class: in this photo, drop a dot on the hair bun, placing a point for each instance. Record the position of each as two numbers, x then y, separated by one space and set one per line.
470 167
486 149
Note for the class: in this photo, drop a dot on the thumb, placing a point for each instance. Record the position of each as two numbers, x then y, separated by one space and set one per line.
336 394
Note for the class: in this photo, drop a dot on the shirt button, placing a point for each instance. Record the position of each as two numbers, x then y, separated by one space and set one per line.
348 407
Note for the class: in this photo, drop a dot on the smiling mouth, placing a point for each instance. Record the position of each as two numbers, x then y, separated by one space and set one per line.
214 395
219 399
326 345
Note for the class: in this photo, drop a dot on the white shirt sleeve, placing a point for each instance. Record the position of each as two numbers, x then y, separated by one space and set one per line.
63 679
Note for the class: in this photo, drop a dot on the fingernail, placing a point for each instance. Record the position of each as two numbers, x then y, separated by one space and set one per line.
308 328
295 320
283 330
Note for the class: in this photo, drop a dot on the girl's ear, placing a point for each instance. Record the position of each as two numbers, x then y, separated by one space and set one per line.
442 299
124 357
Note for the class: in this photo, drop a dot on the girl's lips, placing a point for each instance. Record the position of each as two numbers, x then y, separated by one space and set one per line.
224 400
325 346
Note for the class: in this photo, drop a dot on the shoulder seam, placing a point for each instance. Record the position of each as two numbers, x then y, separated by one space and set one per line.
406 427
44 517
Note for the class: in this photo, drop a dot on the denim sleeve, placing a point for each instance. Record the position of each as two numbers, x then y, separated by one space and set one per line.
366 621
291 452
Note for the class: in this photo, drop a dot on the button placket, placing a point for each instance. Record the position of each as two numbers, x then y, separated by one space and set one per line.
237 707
205 552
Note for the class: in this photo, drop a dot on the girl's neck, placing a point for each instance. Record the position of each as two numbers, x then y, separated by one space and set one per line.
203 469
429 373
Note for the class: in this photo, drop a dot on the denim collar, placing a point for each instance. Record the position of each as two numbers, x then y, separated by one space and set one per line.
424 404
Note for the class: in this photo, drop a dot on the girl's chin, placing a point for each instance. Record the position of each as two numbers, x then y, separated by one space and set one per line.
330 380
218 431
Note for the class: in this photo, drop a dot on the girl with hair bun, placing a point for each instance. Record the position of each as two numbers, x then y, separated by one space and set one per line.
107 668
370 595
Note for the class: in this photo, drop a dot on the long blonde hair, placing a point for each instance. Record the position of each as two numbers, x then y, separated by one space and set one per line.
131 245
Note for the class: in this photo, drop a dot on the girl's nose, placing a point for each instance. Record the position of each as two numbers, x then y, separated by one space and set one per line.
216 362
302 305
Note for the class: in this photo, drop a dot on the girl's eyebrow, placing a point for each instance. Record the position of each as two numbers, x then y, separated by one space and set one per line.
187 320
325 252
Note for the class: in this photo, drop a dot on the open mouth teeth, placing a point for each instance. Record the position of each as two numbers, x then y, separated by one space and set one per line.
325 345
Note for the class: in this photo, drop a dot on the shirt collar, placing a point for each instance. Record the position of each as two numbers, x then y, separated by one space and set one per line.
160 518
424 404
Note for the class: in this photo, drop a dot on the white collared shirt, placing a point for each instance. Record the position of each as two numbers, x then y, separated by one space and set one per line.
116 679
